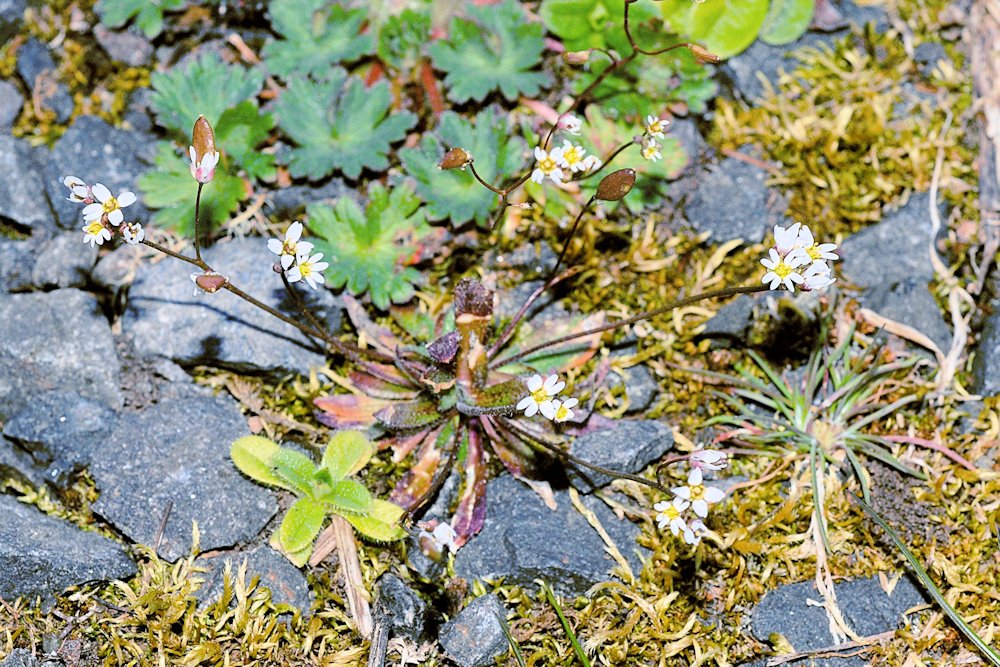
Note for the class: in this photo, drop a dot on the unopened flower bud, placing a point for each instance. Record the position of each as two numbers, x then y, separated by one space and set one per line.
616 185
703 55
577 57
456 158
210 282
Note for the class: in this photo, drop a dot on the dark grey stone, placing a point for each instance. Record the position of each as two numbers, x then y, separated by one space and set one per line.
20 657
986 365
909 301
117 268
17 464
17 258
475 637
402 608
866 608
33 60
639 384
61 430
222 329
732 202
176 455
21 200
61 102
523 540
731 325
126 46
285 581
108 155
55 340
286 202
42 556
927 56
11 15
628 446
11 101
64 261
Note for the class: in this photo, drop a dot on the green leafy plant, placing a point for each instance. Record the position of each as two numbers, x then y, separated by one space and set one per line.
402 38
340 125
497 50
454 194
327 488
727 27
368 249
315 36
592 24
240 131
148 15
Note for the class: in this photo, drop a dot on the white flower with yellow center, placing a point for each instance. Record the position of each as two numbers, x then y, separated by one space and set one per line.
547 165
133 233
786 239
784 271
816 251
95 233
79 192
291 247
651 150
708 459
694 530
699 495
558 411
670 514
309 269
575 158
571 124
656 127
542 392
108 205
817 276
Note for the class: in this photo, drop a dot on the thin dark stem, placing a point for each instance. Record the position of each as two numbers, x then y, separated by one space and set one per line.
479 178
615 153
572 233
509 331
500 212
715 294
636 48
300 304
197 222
176 255
309 331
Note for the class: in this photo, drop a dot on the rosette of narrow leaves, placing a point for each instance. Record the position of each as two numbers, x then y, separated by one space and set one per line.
314 35
340 125
498 50
455 195
148 15
369 248
323 489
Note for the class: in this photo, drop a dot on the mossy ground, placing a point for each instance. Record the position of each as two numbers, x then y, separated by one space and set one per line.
686 606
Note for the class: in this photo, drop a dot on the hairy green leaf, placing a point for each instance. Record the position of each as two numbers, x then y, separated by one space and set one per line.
381 523
339 125
496 51
252 455
347 453
367 249
239 131
407 415
301 525
454 194
348 496
148 15
295 468
315 36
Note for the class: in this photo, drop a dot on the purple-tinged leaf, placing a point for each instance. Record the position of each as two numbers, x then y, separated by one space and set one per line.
444 349
381 338
348 410
471 513
473 298
409 415
417 481
380 388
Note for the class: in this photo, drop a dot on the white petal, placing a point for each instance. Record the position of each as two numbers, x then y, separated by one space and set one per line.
531 410
524 403
101 192
126 199
295 275
287 261
275 246
713 495
680 504
540 153
538 176
549 408
320 267
694 477
570 403
534 383
116 217
294 232
682 492
556 154
700 508
661 506
93 212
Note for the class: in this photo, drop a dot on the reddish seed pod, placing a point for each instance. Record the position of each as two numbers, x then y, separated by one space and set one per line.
203 138
456 158
211 282
576 57
703 55
615 185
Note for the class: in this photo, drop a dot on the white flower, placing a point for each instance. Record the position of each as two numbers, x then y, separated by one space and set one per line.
95 233
203 171
670 515
698 494
541 394
651 150
574 160
817 276
133 233
786 239
591 162
79 192
708 459
571 124
445 535
655 127
694 530
291 247
783 271
309 269
816 251
108 205
547 165
558 411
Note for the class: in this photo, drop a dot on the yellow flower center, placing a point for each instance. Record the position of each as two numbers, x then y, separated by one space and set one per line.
813 251
540 395
547 164
697 491
288 247
572 156
655 126
95 228
305 268
562 413
110 205
672 512
782 269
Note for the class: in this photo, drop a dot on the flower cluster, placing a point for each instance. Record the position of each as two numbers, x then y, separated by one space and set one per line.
295 259
543 399
797 259
655 128
694 496
572 157
103 212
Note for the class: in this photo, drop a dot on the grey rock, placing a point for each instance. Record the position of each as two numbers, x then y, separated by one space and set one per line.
61 102
33 60
175 455
523 540
475 637
42 556
731 325
547 307
927 56
222 329
18 464
61 430
118 155
126 46
20 202
986 365
117 268
55 340
20 657
909 301
285 581
17 258
628 446
11 101
292 200
64 261
530 259
732 202
11 14
639 384
866 608
402 608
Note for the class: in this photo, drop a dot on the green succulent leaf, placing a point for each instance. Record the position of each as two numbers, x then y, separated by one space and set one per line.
148 15
252 456
593 24
301 525
402 37
315 35
786 21
348 496
455 194
496 51
170 188
347 453
206 86
239 131
367 249
339 125
295 468
724 27
381 523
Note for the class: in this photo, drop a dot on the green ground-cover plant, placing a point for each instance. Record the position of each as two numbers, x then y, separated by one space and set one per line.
315 35
727 27
148 15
